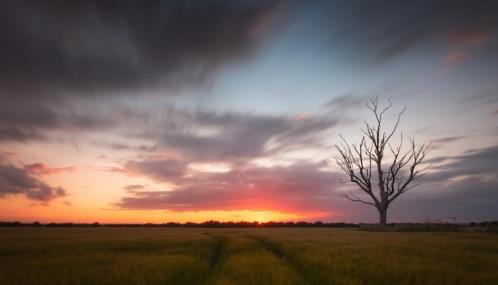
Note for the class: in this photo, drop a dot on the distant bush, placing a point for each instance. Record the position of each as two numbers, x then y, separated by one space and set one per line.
491 226
413 227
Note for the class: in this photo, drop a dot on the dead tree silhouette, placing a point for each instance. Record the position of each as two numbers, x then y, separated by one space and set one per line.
381 171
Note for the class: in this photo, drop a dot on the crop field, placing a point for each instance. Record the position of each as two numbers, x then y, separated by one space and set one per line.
244 256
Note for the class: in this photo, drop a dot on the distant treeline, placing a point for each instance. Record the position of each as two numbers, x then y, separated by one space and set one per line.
208 224
243 224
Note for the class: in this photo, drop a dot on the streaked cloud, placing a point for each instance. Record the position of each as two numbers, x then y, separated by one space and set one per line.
391 28
296 188
92 47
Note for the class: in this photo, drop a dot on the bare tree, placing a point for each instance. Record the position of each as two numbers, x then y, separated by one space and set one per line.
375 161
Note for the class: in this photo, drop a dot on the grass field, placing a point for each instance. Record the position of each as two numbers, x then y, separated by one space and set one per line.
244 256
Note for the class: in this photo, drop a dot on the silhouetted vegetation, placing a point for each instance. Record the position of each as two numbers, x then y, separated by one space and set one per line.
207 224
490 226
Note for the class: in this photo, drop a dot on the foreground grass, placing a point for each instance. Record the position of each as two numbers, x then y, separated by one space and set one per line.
244 256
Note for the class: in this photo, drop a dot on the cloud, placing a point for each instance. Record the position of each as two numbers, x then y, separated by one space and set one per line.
23 121
345 102
448 139
133 188
390 28
19 181
42 169
158 169
466 187
6 154
118 146
463 186
57 59
219 136
440 142
233 139
472 162
300 187
94 47
203 135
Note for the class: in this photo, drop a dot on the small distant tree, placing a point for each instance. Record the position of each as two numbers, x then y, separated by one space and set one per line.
381 171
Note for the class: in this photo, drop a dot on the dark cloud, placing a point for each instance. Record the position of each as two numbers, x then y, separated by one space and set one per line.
96 47
19 181
24 121
55 53
211 135
465 187
471 163
203 134
469 199
389 28
241 136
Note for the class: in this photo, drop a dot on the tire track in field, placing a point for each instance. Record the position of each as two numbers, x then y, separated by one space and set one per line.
276 250
216 256
219 244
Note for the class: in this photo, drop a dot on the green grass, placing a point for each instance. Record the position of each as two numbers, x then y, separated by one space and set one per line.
244 256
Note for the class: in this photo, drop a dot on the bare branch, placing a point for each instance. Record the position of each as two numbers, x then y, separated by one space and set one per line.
358 161
352 197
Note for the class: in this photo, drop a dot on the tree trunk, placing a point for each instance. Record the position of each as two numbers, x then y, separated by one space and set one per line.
382 216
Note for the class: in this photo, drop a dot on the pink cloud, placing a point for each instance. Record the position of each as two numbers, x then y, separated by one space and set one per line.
455 58
42 169
299 188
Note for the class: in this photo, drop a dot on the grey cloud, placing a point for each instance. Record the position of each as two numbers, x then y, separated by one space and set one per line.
158 169
345 102
448 139
472 162
125 146
57 57
389 28
18 181
25 121
466 187
240 136
95 47
54 55
234 135
442 141
470 199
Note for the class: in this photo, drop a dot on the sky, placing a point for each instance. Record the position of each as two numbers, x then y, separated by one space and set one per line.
159 111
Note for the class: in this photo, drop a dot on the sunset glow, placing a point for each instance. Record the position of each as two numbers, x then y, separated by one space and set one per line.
230 112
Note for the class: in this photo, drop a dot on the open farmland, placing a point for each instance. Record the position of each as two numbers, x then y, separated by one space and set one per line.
244 256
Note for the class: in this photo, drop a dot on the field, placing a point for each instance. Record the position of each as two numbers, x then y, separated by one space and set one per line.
244 256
